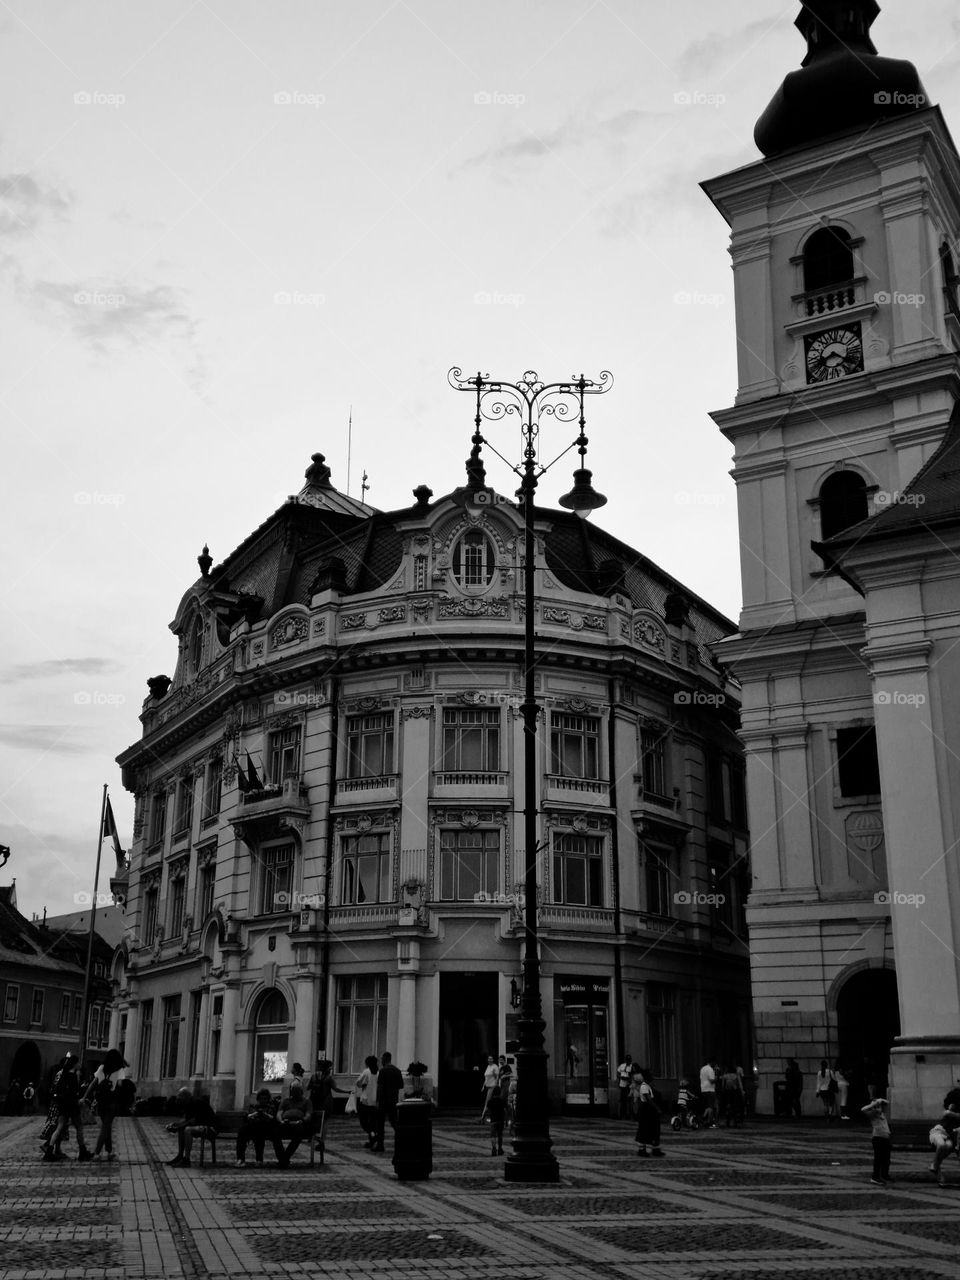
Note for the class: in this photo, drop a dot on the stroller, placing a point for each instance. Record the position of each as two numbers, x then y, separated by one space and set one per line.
688 1109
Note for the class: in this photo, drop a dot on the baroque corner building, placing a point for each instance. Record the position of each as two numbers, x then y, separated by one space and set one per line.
327 853
843 240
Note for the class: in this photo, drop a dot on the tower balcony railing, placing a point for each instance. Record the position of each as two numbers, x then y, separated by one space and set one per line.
830 300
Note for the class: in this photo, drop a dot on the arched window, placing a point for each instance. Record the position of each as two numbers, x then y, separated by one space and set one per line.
473 560
271 1040
827 259
196 645
950 280
843 502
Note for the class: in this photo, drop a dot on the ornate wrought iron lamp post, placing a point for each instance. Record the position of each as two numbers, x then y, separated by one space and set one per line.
528 400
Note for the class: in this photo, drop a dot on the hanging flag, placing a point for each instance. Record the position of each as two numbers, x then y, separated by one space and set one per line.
253 782
242 782
110 832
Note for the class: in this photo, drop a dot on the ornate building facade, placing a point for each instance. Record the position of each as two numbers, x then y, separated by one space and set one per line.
843 240
327 855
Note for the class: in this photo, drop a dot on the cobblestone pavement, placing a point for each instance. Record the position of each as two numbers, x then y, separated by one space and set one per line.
766 1201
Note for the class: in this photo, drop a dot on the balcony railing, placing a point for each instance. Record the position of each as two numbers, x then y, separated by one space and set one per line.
577 786
493 778
376 786
827 302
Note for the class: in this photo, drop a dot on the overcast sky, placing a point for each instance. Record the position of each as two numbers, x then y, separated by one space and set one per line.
224 222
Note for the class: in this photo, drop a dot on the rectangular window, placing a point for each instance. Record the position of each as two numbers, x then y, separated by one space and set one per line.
171 1037
469 864
574 746
365 868
738 784
193 1046
11 1002
661 1030
178 897
64 1011
578 870
158 817
284 754
146 1040
93 1027
653 761
206 887
151 904
722 887
212 790
361 1019
184 806
369 745
122 1043
659 880
77 1011
276 879
858 766
36 1007
471 739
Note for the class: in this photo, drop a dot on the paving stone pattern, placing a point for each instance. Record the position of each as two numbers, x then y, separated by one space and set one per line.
768 1202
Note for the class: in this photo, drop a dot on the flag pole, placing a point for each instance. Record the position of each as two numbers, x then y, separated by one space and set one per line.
84 1014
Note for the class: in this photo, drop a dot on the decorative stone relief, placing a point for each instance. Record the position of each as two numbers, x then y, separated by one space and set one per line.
319 626
395 613
422 608
353 621
399 582
289 631
676 652
474 608
420 573
649 634
256 649
578 622
417 713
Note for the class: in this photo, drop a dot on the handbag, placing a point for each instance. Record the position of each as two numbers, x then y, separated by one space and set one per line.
351 1108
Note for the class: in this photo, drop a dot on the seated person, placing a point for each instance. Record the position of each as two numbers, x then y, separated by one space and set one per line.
259 1124
198 1117
295 1122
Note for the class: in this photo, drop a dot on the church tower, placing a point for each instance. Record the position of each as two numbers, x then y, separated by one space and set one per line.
848 327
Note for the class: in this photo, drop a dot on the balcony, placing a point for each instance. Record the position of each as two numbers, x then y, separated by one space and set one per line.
554 915
487 785
272 808
375 915
593 792
371 790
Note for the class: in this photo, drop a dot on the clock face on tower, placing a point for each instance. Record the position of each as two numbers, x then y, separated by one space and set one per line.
834 353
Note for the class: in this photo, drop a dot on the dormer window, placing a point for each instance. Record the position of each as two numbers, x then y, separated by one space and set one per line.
196 645
473 562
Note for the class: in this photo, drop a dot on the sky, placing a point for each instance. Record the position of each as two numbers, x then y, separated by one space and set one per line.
227 224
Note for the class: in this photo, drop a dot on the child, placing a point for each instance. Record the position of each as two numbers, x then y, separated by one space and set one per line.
496 1111
880 1136
684 1103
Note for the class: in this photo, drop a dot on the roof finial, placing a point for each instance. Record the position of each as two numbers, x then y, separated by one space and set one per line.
317 473
205 560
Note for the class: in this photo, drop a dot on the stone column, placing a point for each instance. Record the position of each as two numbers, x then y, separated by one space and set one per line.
203 1038
304 1046
113 1038
228 1030
408 965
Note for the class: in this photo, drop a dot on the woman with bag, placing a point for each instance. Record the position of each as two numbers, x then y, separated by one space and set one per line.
101 1092
366 1094
827 1090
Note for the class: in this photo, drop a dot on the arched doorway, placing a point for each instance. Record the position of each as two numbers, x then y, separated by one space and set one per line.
271 1039
868 1022
26 1066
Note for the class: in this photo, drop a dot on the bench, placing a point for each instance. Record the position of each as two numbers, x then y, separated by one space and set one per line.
230 1122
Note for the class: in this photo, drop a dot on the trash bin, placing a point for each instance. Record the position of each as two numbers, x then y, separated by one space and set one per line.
781 1103
413 1140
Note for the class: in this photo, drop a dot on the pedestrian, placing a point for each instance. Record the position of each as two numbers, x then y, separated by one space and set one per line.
794 1081
636 1084
366 1090
648 1118
296 1076
491 1081
389 1089
13 1103
708 1095
497 1110
624 1077
259 1124
875 1112
732 1102
320 1091
945 1137
827 1090
843 1090
67 1093
101 1092
52 1122
505 1069
197 1119
30 1099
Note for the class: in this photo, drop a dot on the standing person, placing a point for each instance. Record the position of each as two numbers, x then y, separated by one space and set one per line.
320 1091
13 1103
491 1081
732 1105
794 1079
624 1076
101 1091
708 1095
296 1076
30 1098
67 1093
648 1118
497 1110
389 1089
880 1137
827 1090
366 1087
843 1089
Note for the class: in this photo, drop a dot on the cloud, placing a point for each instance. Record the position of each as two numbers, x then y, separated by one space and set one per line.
24 203
572 133
50 867
42 737
102 313
726 49
58 667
